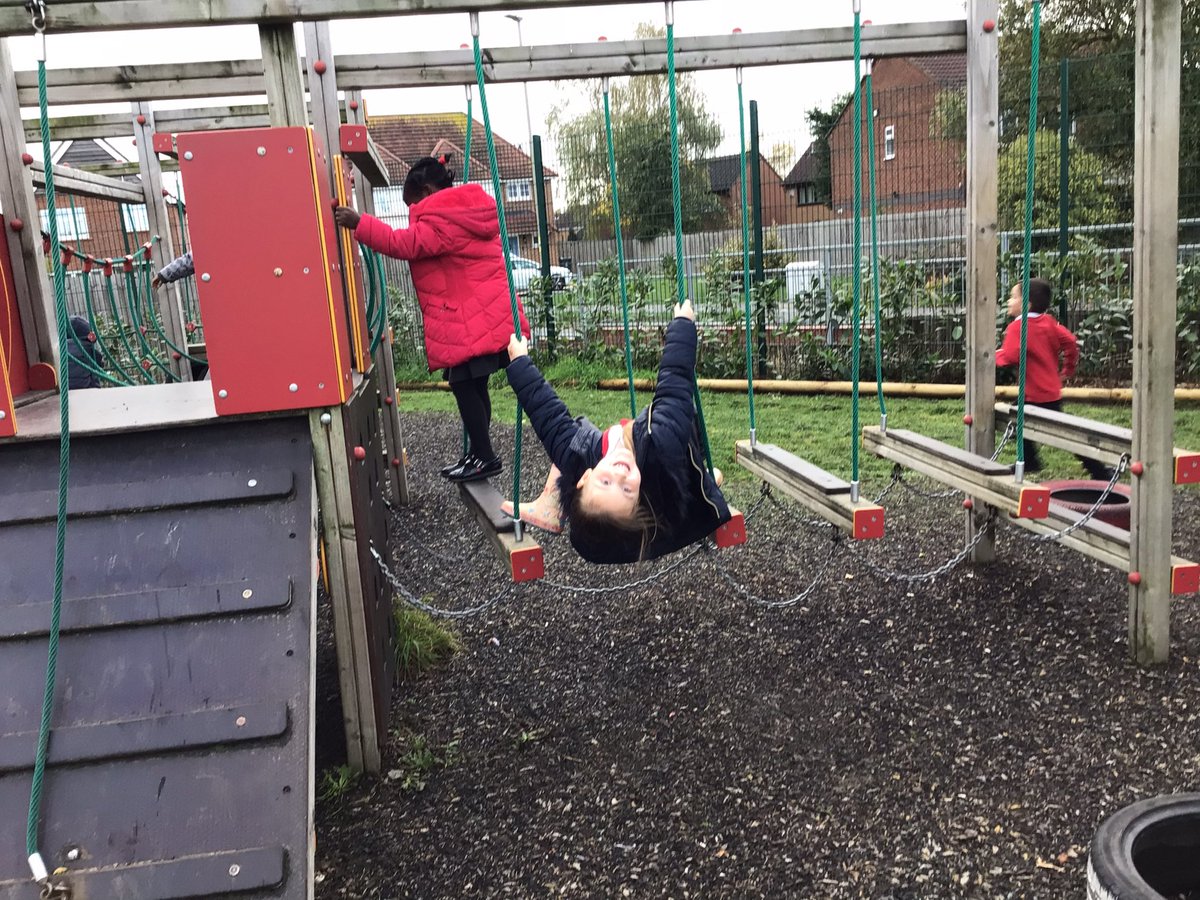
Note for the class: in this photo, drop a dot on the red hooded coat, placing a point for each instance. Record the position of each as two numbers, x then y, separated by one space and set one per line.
452 244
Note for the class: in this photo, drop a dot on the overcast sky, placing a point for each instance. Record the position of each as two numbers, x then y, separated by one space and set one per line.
783 92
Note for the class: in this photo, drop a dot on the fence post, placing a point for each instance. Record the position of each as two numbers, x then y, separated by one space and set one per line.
1064 177
756 205
539 193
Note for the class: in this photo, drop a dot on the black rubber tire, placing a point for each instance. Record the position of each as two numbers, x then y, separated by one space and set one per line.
1148 851
1114 513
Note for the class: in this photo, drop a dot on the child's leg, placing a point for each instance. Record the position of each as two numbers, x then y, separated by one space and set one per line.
546 511
475 417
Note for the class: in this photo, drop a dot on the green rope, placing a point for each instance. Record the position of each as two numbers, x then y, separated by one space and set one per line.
616 201
746 254
133 302
368 264
147 294
64 474
119 325
512 290
855 349
875 250
105 353
1034 68
677 207
382 325
466 177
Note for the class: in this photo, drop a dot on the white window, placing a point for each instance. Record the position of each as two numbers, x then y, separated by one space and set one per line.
518 190
889 142
135 218
72 223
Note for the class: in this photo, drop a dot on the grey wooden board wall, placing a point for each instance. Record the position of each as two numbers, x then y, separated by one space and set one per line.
181 761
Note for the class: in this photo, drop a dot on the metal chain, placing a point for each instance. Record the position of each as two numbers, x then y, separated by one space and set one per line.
1122 464
420 604
932 574
478 547
898 473
628 586
747 594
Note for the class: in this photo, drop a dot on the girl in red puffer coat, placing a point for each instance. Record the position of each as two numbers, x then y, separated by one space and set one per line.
452 244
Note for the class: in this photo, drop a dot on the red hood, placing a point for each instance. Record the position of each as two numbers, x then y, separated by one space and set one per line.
467 206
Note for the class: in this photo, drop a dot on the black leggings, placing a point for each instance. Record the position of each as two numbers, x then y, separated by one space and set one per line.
475 407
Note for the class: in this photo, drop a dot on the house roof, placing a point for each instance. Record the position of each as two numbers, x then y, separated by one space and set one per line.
946 70
403 139
805 169
723 171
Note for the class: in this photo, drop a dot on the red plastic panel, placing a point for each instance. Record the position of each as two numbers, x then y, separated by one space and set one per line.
528 565
1187 468
8 409
14 362
263 240
1034 503
868 523
353 138
732 532
1185 579
164 143
356 302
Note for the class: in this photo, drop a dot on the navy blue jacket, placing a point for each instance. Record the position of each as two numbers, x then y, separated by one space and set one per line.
82 348
686 502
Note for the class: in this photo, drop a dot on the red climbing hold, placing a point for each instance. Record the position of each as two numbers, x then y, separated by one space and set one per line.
395 462
737 31
319 66
602 38
354 104
141 120
989 25
968 503
1135 578
27 159
388 400
1136 467
968 419
176 355
16 224
360 453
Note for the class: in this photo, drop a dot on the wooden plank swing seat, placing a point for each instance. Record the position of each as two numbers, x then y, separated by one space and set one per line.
812 487
522 557
978 476
1094 440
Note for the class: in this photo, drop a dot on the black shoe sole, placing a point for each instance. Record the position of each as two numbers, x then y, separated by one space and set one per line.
476 474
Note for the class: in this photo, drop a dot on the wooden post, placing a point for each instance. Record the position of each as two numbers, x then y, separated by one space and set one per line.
281 69
393 435
983 137
322 86
1155 257
34 299
158 221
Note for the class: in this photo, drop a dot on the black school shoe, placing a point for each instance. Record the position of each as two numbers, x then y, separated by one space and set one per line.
446 470
475 469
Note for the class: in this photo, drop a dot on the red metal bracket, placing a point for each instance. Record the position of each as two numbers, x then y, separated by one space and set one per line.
1034 503
868 523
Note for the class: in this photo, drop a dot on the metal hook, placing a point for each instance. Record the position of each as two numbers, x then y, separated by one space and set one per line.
37 13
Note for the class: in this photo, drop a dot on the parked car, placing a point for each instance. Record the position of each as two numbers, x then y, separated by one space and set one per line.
526 270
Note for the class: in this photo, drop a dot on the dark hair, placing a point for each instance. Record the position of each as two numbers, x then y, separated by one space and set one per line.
1039 295
427 175
604 539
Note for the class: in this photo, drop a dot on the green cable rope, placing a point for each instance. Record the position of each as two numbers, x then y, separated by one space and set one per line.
1034 68
512 290
64 475
875 253
147 294
382 325
466 177
746 256
368 264
85 360
855 349
189 303
112 303
616 201
133 303
103 350
677 206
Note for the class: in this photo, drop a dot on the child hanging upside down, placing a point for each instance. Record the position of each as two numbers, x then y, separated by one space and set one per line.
638 490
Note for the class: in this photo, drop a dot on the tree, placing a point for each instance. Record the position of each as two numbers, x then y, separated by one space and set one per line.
782 156
642 148
1090 179
820 123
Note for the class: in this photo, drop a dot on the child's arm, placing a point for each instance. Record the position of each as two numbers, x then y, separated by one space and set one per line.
549 415
1069 347
415 242
1009 353
673 409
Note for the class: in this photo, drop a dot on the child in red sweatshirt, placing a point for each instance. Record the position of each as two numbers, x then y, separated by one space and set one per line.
1051 355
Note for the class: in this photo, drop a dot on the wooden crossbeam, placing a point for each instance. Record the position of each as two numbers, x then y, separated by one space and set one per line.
116 125
523 558
376 71
359 147
974 475
812 487
1107 544
1094 440
70 180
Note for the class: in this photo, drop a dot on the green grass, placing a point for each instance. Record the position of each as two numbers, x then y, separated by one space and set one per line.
421 642
420 760
816 427
337 781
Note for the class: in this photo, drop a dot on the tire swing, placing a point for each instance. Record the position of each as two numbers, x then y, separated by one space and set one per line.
1148 851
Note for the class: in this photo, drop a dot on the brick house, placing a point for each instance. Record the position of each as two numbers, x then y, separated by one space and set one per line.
778 208
801 190
918 168
403 139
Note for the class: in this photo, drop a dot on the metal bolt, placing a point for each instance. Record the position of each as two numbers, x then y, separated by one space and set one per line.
73 854
3 415
247 594
306 270
235 870
262 151
206 277
278 272
321 386
293 387
222 394
253 482
187 155
240 721
326 418
291 149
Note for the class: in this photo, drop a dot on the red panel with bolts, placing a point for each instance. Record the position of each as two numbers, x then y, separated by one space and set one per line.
355 296
868 523
274 318
527 564
1185 578
732 532
163 143
1187 468
1034 503
352 139
14 361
